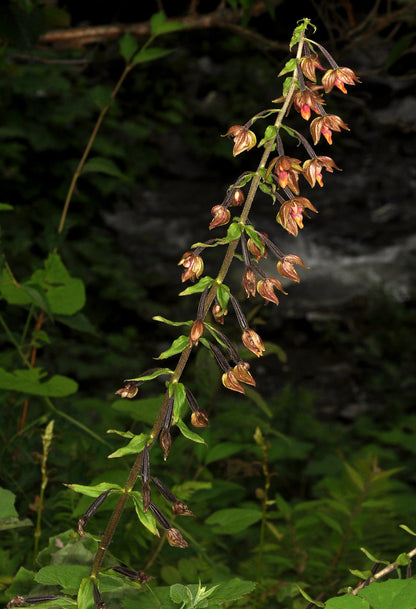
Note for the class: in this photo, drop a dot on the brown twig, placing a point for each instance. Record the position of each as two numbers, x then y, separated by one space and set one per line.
78 37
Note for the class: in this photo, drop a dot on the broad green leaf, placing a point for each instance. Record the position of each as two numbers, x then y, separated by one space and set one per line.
152 375
233 520
134 447
346 601
176 347
128 46
66 294
180 593
67 576
179 404
163 320
146 518
390 594
29 381
99 164
85 598
94 490
7 499
191 435
222 450
160 25
232 590
203 284
150 54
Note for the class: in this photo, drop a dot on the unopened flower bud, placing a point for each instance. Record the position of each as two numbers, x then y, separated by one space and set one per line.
249 282
218 313
146 496
221 215
199 419
165 442
255 250
253 342
175 538
197 330
238 198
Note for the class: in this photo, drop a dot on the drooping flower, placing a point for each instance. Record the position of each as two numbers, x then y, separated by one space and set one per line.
128 391
325 125
287 169
221 216
308 65
253 342
307 100
312 169
242 374
199 418
285 267
244 139
218 313
230 381
339 77
254 249
174 537
193 265
266 287
290 215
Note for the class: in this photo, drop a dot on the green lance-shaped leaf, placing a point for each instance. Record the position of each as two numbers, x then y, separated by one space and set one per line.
150 55
309 599
160 25
29 381
288 67
96 489
152 375
163 320
128 46
146 518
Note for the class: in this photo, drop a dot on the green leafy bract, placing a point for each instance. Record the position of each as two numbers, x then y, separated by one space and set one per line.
152 375
146 518
135 446
176 347
203 284
94 490
191 435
